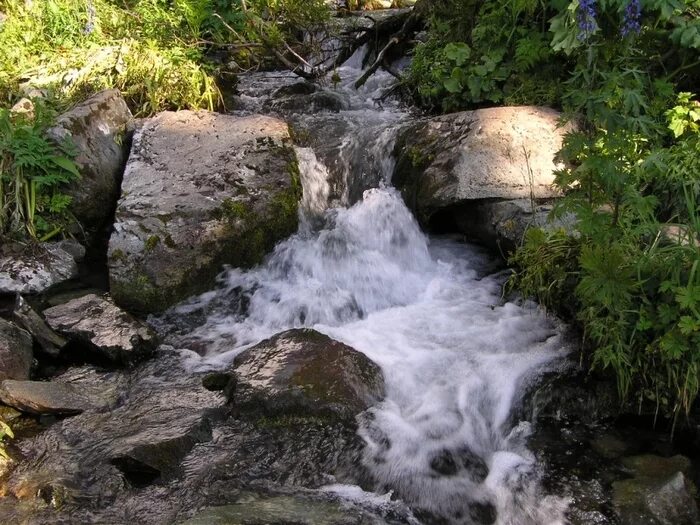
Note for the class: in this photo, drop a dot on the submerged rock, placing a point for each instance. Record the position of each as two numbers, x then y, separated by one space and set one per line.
137 429
105 328
284 510
452 162
306 97
97 128
660 493
16 354
200 190
32 273
303 372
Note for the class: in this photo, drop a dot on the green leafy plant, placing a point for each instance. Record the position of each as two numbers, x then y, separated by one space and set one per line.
496 53
32 172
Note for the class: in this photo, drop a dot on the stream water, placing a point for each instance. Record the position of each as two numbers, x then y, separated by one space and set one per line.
456 358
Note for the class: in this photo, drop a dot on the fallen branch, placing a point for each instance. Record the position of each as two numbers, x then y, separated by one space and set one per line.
378 62
409 27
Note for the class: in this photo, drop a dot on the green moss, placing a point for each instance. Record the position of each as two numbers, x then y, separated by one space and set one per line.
418 158
118 255
169 242
232 210
300 136
140 295
152 242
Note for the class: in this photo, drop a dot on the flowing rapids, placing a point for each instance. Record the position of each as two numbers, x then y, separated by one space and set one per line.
456 358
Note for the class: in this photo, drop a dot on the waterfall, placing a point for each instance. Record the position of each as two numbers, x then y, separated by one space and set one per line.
456 358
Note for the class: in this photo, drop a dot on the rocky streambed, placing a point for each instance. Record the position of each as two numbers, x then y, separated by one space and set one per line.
282 341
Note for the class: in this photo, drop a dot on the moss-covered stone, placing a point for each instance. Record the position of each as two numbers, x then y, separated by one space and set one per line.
301 374
230 209
152 242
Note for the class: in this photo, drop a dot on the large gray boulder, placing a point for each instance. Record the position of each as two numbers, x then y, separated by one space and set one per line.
97 323
97 128
16 354
302 372
446 164
201 190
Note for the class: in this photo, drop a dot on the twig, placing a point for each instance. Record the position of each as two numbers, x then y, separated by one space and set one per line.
378 62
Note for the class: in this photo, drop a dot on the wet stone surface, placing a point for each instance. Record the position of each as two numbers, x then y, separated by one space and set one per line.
104 328
305 373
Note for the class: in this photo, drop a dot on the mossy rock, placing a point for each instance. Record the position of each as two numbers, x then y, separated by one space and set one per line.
304 374
201 190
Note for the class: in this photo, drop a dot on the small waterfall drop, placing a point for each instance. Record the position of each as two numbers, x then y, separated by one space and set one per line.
456 359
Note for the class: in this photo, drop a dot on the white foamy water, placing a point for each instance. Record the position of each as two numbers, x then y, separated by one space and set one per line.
456 359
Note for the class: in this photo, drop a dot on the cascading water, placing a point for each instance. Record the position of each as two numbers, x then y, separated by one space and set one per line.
455 357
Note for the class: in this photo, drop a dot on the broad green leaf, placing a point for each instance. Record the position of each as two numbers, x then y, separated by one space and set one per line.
66 164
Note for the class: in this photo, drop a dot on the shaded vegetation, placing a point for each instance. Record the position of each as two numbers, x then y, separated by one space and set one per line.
32 170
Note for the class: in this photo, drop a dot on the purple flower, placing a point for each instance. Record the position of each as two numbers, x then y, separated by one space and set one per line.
91 14
586 19
633 15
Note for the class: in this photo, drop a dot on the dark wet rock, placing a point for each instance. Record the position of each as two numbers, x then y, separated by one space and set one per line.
40 397
444 463
219 381
200 190
155 418
473 464
660 493
145 457
72 392
105 328
298 88
305 97
458 159
16 355
304 372
32 273
499 224
609 446
97 128
573 396
482 513
50 343
448 463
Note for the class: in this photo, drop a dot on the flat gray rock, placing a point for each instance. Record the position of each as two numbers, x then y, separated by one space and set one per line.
39 397
99 323
32 273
